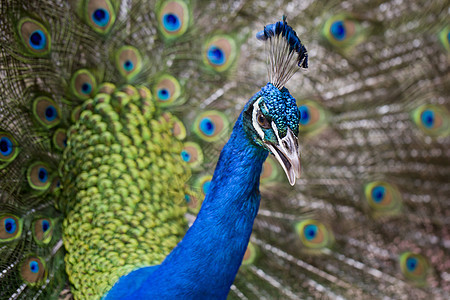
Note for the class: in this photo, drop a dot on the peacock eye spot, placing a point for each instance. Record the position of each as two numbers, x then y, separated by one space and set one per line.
6 146
216 55
86 88
207 126
378 193
411 263
128 65
185 156
171 22
262 121
3 146
10 225
304 115
100 17
51 113
163 94
171 18
34 266
428 118
36 38
45 225
43 175
99 14
338 30
310 231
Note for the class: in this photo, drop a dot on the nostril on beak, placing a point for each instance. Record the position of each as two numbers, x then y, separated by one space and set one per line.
286 145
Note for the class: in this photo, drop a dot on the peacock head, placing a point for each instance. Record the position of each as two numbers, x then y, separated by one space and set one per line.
271 117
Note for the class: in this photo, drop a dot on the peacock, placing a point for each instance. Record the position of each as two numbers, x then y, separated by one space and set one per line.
152 149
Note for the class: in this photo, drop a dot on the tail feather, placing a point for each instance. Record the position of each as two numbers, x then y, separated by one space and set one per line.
368 218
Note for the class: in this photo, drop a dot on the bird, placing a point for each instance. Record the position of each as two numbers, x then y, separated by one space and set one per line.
114 114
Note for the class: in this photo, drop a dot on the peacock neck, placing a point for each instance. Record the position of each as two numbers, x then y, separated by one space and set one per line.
211 252
205 262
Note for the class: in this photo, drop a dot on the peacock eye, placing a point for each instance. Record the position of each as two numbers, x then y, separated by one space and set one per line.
262 121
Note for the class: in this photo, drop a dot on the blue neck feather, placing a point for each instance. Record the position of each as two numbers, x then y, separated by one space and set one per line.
205 262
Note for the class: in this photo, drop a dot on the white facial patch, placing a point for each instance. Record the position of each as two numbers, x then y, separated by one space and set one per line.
254 119
275 129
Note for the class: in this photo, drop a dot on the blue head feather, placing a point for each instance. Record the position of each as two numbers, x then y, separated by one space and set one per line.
277 106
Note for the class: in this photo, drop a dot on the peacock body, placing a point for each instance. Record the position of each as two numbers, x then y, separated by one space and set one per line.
113 115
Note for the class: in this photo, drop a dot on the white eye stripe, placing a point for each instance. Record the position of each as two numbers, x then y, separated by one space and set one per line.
275 129
254 119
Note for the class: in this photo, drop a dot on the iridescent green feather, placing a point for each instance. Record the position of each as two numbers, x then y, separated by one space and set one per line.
113 163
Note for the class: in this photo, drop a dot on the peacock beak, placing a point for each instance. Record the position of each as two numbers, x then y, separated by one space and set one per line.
287 154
